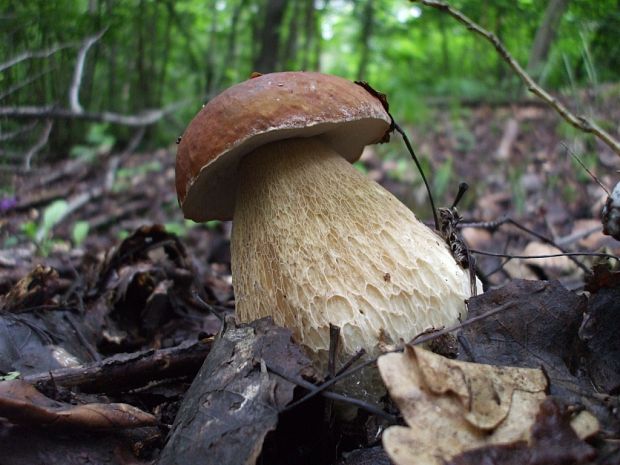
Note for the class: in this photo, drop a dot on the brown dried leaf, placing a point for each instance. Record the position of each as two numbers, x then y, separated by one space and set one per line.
452 406
37 288
553 442
22 404
557 265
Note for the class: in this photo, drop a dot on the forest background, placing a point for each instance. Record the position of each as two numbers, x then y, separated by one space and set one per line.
151 64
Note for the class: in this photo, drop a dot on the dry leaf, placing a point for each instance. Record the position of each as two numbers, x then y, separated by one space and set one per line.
558 264
22 404
453 406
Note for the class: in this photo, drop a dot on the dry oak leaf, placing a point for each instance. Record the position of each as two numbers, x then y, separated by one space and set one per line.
452 406
22 404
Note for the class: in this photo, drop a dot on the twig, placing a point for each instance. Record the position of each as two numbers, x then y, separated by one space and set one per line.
23 83
334 338
421 171
145 118
39 144
330 382
18 131
580 122
74 90
494 225
127 371
39 54
334 396
117 160
73 205
566 254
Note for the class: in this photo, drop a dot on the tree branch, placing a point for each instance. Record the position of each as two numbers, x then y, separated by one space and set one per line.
39 144
39 54
580 122
50 111
74 91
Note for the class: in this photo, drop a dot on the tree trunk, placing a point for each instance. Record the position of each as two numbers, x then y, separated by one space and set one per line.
365 34
289 55
545 35
231 49
310 28
267 59
210 71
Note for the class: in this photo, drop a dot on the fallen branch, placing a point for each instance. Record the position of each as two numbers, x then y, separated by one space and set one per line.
51 111
39 144
129 371
580 122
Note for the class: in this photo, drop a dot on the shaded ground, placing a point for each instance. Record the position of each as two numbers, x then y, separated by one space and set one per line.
117 284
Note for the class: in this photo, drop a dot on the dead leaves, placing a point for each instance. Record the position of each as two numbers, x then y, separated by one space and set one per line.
451 407
22 404
234 401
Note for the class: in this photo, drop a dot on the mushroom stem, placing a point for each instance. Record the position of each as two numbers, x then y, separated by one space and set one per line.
315 242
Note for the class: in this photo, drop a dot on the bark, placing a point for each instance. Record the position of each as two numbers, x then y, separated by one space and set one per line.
545 35
290 50
267 59
210 72
310 33
365 35
231 49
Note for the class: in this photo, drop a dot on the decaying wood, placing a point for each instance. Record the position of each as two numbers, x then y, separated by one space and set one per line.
234 401
127 371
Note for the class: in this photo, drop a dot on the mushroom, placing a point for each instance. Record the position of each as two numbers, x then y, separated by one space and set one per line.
314 241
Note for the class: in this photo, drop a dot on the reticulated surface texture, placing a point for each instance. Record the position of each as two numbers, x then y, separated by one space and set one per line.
316 242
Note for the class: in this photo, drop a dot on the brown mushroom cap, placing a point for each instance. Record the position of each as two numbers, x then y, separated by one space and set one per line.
271 107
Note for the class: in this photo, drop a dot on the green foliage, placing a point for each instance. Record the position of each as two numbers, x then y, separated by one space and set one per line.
52 215
80 232
124 176
11 375
154 54
98 141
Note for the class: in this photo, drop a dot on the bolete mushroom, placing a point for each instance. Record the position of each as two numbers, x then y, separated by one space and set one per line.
314 241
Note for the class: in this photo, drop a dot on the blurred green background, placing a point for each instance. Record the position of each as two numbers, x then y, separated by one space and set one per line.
156 53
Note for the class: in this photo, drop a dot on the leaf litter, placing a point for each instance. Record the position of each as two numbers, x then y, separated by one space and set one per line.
83 313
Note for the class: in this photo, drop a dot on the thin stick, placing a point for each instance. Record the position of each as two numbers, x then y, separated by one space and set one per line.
334 396
580 122
319 389
419 166
38 54
144 118
39 144
494 225
566 254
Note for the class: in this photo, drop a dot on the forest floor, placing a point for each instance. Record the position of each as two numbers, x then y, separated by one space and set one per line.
89 226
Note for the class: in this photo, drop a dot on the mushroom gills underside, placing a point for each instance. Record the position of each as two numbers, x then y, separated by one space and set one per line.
316 242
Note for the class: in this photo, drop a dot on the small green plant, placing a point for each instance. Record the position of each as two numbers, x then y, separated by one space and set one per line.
52 215
98 141
10 376
41 233
80 232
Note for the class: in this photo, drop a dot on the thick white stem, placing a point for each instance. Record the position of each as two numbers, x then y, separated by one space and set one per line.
315 242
